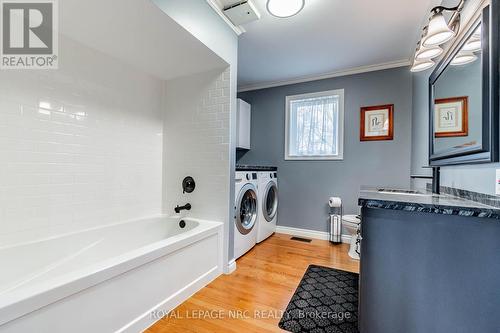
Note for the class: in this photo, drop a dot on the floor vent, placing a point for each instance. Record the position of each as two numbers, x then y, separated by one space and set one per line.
300 239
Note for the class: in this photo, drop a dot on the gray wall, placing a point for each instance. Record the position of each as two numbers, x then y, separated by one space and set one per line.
304 186
420 125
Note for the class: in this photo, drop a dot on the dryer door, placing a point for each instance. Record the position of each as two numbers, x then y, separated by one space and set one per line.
246 209
270 201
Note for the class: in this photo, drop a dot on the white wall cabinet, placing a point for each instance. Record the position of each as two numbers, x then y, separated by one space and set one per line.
244 122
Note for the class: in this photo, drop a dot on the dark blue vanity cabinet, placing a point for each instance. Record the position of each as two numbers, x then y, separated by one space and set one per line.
425 268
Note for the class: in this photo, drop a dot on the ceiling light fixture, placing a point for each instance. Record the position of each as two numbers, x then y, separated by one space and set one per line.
437 32
463 58
419 66
285 8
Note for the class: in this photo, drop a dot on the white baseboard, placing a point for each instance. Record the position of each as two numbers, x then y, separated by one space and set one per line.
346 239
231 267
309 233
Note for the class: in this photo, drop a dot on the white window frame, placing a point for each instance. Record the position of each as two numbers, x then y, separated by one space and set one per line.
340 155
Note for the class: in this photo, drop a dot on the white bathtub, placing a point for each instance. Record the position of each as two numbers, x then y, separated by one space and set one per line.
108 279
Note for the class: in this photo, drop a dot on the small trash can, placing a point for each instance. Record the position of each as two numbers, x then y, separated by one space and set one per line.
336 228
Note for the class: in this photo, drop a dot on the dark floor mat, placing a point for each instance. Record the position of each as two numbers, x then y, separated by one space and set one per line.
326 301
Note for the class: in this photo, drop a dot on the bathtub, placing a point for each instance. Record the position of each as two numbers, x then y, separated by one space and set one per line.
108 279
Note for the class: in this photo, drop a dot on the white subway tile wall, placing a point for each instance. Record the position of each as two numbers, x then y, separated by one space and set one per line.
80 147
196 143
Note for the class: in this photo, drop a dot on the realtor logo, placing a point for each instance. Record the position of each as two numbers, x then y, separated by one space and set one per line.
29 33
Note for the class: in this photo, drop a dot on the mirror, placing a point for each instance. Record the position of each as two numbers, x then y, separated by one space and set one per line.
458 100
463 109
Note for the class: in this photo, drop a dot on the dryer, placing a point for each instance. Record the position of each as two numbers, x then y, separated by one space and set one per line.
246 212
268 204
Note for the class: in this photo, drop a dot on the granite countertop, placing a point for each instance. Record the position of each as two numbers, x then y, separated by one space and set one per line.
422 200
244 167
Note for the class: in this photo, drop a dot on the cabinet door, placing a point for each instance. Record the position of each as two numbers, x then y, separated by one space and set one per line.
244 120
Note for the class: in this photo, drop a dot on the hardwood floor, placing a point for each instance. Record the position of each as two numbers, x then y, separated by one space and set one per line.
254 296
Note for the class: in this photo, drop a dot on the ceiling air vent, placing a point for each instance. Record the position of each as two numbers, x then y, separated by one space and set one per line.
242 12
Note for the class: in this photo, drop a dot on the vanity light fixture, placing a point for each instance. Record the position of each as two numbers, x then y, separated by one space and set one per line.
437 32
285 8
473 45
419 66
428 52
463 58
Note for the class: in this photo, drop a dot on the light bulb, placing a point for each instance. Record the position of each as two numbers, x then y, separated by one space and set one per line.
439 32
472 45
428 52
419 66
463 58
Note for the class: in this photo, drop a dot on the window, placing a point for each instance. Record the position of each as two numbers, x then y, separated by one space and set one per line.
315 126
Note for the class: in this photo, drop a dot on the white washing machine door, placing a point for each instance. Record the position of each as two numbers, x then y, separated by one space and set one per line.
270 201
246 209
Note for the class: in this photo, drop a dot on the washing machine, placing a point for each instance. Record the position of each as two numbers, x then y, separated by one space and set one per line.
268 204
246 212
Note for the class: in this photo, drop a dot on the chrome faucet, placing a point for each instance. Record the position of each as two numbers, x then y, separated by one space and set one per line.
178 209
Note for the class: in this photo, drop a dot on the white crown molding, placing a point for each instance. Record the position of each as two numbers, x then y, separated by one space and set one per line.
345 72
309 233
217 7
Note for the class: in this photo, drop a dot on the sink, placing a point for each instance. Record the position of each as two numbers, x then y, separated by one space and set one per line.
402 192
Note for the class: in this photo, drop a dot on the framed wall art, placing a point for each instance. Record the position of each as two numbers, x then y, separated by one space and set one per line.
377 123
451 117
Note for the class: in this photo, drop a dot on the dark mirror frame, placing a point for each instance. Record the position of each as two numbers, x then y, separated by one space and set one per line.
488 152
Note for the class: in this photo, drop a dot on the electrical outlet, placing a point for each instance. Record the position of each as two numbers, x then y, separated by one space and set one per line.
497 182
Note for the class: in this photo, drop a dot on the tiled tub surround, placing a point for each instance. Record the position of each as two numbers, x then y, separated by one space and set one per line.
79 147
88 147
92 145
196 143
426 202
